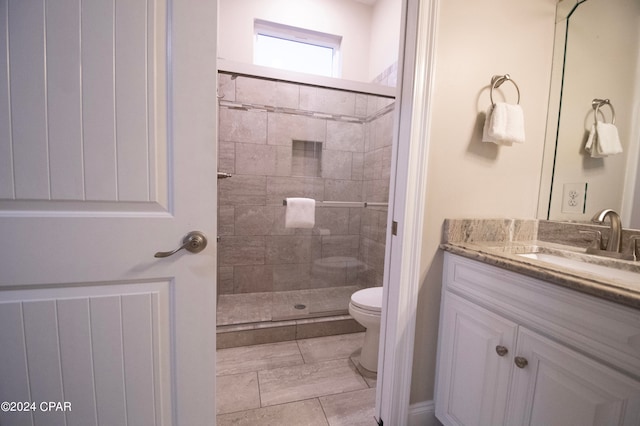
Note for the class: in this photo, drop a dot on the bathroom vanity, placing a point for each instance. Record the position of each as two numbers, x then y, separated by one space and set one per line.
523 341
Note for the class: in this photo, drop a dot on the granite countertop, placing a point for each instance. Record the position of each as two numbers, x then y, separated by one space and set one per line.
498 241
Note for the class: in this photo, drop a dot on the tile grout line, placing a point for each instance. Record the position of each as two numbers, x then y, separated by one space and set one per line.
362 382
308 363
267 369
359 373
323 411
259 388
277 405
304 361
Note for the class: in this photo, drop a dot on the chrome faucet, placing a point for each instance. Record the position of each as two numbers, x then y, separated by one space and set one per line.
615 228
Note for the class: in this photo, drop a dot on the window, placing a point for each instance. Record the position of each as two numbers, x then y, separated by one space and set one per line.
296 49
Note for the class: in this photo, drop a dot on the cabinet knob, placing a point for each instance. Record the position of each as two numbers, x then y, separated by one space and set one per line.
520 362
501 350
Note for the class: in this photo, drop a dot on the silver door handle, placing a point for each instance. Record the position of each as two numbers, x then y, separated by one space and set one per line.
222 175
194 242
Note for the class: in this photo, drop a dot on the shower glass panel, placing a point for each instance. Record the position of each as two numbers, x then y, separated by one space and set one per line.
281 139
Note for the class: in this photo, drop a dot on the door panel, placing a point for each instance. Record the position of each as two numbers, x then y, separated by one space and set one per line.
472 378
64 109
102 352
85 90
6 163
27 99
561 387
111 147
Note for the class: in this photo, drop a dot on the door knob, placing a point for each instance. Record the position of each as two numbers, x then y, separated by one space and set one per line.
194 242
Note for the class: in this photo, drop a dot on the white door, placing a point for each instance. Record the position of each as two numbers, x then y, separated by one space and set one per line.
107 156
556 386
474 364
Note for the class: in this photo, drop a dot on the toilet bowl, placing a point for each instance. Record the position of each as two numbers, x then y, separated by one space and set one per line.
366 307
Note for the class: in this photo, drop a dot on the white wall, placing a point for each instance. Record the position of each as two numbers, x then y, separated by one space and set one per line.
385 36
466 177
349 19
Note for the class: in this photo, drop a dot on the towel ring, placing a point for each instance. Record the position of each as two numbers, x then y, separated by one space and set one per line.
597 103
497 80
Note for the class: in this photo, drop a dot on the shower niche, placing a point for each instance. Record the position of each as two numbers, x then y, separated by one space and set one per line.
306 158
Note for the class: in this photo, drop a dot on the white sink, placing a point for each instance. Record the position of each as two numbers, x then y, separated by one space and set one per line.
619 275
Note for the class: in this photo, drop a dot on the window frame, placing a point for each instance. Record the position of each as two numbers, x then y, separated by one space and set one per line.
301 35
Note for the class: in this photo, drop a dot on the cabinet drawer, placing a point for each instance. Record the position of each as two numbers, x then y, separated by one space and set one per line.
600 328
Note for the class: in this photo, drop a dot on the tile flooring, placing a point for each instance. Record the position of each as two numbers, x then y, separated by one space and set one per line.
304 382
245 308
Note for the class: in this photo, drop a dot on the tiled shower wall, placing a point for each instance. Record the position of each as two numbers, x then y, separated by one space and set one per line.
280 140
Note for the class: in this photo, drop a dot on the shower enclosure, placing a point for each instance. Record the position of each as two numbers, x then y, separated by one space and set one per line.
280 139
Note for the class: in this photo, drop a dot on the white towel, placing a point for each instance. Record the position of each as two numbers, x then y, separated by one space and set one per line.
300 213
487 124
603 140
504 124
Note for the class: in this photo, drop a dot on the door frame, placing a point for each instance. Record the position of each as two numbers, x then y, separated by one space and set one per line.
402 278
407 196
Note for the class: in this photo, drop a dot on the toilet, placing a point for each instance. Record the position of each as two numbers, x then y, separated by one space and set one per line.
366 307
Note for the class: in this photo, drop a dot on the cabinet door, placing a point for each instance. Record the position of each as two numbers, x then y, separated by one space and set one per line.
561 387
472 379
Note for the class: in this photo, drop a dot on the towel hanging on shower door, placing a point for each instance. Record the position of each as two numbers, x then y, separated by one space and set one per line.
300 213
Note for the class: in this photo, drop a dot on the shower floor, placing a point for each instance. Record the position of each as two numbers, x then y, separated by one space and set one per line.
246 308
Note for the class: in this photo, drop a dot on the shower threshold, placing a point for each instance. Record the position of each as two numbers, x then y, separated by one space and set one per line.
258 318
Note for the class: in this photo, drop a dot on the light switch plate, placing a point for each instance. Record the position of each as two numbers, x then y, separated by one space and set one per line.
574 197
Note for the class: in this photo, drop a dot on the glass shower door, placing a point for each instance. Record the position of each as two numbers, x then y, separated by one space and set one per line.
279 140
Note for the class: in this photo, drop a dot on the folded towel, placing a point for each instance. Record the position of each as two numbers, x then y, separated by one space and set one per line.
504 124
300 213
487 124
603 140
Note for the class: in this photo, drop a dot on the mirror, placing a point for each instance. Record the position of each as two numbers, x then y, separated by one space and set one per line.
596 56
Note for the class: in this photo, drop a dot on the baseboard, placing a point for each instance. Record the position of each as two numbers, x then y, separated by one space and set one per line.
423 414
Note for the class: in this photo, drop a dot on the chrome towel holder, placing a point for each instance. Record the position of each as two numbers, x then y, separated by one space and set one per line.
597 103
497 80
